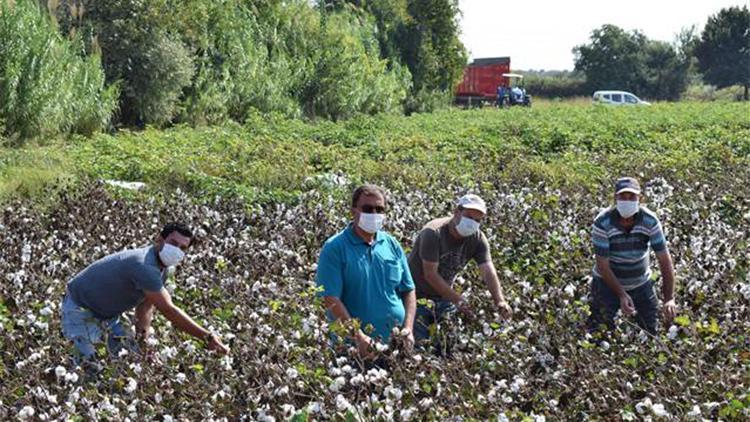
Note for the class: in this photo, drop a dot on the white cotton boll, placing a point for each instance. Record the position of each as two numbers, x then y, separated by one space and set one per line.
26 253
672 333
394 392
71 377
292 373
26 413
180 377
282 391
426 403
380 347
288 410
337 383
695 413
357 380
659 410
314 407
35 357
342 403
408 413
517 384
60 371
604 345
642 406
131 386
46 311
167 418
570 290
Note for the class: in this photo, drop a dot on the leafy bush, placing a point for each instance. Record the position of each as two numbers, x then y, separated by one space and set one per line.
141 52
48 87
349 76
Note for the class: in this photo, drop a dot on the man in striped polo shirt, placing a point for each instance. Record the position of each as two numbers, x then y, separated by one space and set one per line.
622 276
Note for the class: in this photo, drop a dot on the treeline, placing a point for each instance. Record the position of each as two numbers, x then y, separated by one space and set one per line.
78 66
719 56
693 66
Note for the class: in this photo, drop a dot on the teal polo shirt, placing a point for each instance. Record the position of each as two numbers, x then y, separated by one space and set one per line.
368 279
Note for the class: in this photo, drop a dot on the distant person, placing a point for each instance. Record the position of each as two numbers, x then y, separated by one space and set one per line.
117 283
500 96
441 250
365 276
622 276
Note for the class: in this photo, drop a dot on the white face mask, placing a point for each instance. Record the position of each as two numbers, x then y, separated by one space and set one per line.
467 227
171 255
627 209
371 223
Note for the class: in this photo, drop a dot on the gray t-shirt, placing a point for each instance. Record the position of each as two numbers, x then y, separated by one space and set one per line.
115 283
435 244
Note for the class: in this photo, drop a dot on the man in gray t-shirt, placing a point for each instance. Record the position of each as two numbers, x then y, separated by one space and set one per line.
117 283
442 249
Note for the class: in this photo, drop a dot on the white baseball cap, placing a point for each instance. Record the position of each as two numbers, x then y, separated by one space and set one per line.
473 202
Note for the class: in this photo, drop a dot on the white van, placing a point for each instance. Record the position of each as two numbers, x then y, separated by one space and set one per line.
618 98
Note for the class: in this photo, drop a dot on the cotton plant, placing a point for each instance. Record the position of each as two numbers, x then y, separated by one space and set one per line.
251 276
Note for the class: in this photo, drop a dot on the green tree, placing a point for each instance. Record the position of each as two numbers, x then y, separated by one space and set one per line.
48 85
139 50
430 46
665 71
614 59
723 51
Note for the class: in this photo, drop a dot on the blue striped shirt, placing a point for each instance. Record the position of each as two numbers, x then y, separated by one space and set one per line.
627 251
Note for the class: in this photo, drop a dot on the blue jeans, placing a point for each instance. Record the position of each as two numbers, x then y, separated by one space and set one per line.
605 304
428 316
85 330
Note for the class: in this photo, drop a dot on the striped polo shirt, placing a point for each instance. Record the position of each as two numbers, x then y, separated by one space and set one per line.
627 251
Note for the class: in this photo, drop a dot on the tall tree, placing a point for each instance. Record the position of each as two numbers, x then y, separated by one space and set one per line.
723 51
613 59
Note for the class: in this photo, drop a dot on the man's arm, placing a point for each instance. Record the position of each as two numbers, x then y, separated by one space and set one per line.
410 305
340 313
489 275
667 287
626 302
144 313
436 281
163 302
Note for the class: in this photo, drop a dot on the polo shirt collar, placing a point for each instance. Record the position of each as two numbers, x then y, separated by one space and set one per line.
351 235
615 219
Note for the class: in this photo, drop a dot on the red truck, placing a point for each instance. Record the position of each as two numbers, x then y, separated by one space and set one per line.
482 77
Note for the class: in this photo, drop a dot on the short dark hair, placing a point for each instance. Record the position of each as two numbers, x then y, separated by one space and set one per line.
368 190
180 228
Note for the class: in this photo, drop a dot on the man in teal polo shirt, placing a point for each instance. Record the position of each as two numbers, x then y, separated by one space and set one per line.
365 276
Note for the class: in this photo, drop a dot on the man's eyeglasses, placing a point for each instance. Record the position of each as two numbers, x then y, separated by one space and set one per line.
369 209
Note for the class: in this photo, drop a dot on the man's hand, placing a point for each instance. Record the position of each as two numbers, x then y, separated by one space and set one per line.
505 310
408 339
466 309
364 345
216 345
626 305
670 310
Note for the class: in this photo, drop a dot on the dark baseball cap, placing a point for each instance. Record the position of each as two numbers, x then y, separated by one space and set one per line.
627 184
